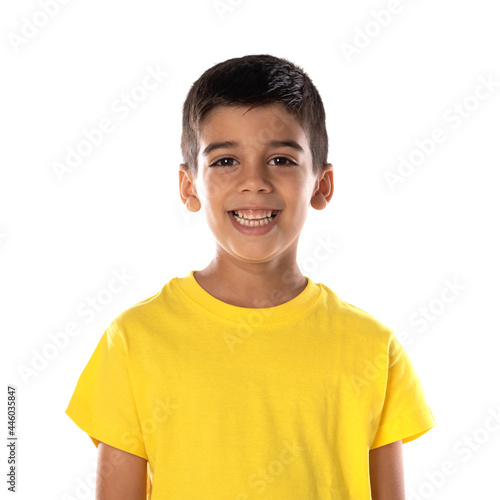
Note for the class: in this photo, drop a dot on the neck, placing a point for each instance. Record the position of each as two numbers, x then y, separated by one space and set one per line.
252 284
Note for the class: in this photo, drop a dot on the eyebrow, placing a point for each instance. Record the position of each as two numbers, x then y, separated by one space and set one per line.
232 144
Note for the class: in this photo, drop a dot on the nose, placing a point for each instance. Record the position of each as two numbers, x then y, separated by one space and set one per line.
254 176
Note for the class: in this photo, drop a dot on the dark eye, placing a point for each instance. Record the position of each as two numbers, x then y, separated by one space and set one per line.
217 163
283 160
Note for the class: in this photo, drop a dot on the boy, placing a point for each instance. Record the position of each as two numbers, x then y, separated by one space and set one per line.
246 379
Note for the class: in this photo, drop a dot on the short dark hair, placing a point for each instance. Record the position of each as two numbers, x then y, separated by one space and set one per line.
255 80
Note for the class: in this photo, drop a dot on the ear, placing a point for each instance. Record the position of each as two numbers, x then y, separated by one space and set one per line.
187 189
323 188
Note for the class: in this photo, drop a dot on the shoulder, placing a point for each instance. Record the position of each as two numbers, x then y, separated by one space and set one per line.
137 311
142 317
355 321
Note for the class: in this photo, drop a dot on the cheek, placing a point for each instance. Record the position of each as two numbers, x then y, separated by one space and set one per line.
208 190
302 198
215 185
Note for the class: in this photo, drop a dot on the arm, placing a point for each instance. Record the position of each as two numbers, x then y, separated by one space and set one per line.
120 475
387 473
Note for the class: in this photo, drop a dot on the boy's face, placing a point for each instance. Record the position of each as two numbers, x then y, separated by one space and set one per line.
255 168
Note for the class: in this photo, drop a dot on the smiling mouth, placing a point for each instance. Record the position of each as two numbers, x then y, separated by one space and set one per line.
254 222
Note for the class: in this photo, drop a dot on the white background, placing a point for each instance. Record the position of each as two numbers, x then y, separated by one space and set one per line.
61 238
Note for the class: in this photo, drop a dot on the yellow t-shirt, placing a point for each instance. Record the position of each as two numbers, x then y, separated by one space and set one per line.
234 403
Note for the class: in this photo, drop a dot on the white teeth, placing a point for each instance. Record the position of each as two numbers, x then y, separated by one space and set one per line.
255 216
253 223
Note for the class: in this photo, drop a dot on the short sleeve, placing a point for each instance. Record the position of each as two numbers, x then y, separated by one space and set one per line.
103 403
405 414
